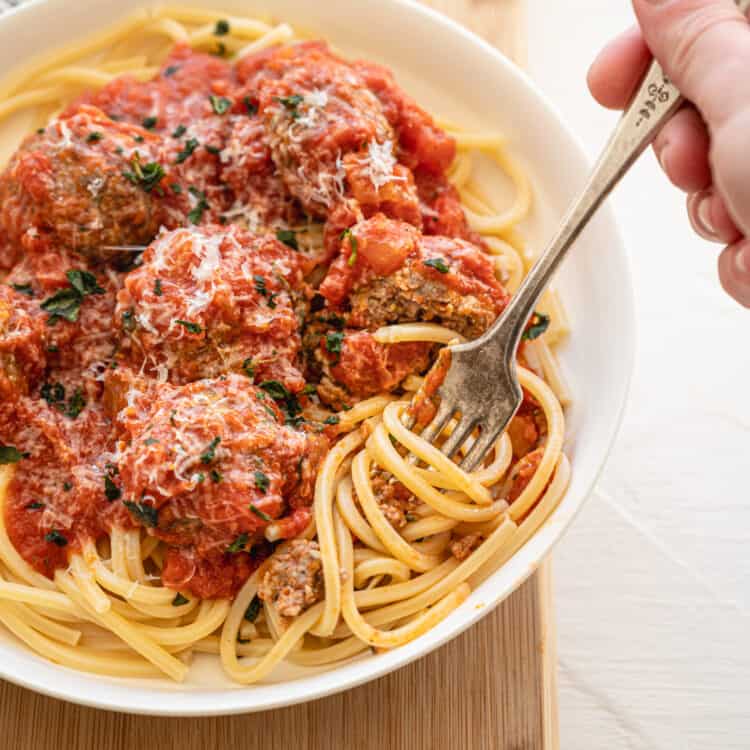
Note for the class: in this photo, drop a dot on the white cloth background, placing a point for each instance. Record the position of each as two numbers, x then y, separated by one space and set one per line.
653 581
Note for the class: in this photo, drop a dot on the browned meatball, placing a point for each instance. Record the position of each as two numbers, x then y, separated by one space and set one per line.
82 182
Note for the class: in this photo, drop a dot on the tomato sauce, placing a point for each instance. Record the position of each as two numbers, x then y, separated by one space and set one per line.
181 391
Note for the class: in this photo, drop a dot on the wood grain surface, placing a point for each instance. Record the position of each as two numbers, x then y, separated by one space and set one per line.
494 687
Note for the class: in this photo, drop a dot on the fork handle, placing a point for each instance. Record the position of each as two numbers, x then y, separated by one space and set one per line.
654 103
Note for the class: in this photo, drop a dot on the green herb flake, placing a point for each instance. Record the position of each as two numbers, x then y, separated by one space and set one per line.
111 490
288 237
128 320
290 103
253 609
76 404
53 393
239 544
146 176
248 367
176 188
538 325
196 214
252 109
210 453
157 288
262 482
94 136
34 505
151 441
179 600
216 476
215 150
220 104
438 264
332 420
24 289
9 454
334 341
149 122
275 390
146 514
187 150
55 537
171 70
67 486
66 303
347 234
258 512
179 131
188 326
222 27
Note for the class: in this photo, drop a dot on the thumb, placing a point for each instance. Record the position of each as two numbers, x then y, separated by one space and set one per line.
704 47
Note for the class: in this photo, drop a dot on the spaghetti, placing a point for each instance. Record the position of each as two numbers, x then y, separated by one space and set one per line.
224 498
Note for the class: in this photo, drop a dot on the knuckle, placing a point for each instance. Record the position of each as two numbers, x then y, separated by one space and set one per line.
698 29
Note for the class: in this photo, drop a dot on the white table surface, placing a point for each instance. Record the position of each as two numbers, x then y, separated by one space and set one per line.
653 581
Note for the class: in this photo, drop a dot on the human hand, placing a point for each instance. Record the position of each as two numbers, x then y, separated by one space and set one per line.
704 47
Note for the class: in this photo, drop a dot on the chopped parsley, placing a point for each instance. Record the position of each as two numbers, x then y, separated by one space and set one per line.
94 136
55 537
128 320
171 70
310 389
538 324
216 476
187 150
215 150
191 327
347 233
332 420
334 341
179 131
197 212
290 405
251 108
199 477
146 514
9 454
248 367
34 505
176 188
258 512
220 104
221 49
239 544
53 393
76 404
66 303
149 122
288 237
262 481
260 287
179 600
222 27
147 176
438 264
138 138
151 441
253 609
24 289
210 453
290 103
111 490
67 486
157 288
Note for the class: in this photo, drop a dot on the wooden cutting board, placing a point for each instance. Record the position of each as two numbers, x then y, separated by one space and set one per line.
494 687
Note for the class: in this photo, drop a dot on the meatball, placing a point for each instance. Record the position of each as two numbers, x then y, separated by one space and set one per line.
210 301
317 110
293 580
387 272
212 464
22 342
83 182
354 366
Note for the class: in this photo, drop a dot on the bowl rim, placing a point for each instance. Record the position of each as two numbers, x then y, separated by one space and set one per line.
120 696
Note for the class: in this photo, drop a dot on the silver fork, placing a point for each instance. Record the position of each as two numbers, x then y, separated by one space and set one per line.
481 385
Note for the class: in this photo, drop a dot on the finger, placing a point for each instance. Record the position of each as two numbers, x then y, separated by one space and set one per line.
734 271
704 47
710 219
682 149
618 69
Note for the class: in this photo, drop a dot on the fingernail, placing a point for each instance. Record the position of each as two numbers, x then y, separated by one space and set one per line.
699 210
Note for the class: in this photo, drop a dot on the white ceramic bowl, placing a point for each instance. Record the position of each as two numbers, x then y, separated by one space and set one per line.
457 75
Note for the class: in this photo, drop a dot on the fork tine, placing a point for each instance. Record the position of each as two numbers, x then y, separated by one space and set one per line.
479 450
460 433
434 428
